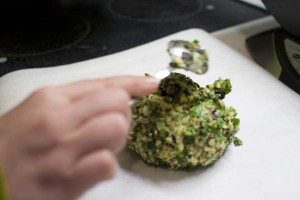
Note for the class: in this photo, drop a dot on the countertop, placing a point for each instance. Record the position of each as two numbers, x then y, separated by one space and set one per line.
235 36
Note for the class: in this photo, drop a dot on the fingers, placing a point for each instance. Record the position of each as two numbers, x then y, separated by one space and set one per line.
91 169
104 132
134 85
71 133
91 98
82 100
106 100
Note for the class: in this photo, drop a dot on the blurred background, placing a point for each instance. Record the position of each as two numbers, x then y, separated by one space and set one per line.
47 33
43 33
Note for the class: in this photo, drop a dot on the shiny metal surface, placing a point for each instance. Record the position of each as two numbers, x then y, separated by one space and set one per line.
286 13
263 51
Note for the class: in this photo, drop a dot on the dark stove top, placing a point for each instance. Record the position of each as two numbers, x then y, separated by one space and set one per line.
94 28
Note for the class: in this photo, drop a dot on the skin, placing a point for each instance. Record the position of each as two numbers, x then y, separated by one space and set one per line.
62 140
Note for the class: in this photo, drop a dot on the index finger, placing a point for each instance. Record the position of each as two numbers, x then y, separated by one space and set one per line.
136 86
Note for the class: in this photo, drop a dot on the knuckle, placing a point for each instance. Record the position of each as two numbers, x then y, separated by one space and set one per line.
118 94
114 94
48 123
99 95
121 129
122 96
44 94
121 124
108 164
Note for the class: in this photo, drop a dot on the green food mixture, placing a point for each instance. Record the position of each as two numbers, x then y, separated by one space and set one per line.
193 58
183 125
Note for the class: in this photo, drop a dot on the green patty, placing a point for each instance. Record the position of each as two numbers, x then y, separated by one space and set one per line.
192 59
183 125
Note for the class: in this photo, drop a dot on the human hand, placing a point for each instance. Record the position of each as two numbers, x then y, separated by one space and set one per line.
62 140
